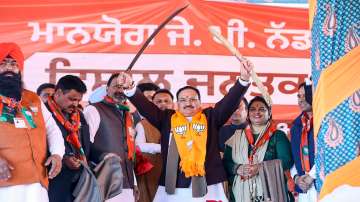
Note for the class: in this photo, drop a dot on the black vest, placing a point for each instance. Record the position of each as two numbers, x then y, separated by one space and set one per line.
62 186
111 137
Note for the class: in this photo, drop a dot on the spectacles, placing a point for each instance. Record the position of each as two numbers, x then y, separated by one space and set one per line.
6 63
192 100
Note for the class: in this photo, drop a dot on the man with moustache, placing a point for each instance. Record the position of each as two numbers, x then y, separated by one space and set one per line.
192 169
63 105
302 146
111 130
27 134
148 140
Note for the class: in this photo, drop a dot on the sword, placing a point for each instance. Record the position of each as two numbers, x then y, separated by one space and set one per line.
153 35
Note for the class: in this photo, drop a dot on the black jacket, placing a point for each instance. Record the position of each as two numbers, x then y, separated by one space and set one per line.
62 186
216 117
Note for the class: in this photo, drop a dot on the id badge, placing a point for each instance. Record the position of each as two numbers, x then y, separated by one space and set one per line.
19 123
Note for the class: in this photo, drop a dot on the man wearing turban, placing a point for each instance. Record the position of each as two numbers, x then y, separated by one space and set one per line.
30 140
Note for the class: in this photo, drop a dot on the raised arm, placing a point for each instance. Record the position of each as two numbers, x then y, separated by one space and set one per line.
146 108
230 102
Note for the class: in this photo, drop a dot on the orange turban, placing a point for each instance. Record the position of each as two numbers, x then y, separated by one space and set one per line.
14 51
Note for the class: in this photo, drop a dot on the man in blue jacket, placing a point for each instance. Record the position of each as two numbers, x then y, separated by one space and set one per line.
302 146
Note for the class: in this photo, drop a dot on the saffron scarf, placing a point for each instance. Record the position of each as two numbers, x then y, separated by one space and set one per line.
247 189
261 140
190 138
72 126
307 123
130 140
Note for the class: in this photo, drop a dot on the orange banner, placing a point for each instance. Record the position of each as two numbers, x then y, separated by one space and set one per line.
94 38
122 26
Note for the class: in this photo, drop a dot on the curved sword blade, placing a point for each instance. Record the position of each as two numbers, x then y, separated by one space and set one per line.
153 35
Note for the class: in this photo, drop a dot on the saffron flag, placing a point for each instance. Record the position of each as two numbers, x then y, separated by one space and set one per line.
335 60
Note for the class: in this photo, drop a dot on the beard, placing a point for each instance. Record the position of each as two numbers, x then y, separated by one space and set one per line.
121 97
11 85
